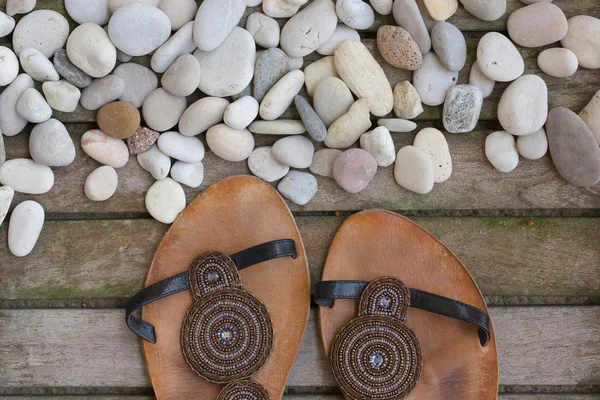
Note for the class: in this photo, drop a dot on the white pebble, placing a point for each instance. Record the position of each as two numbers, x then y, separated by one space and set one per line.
355 13
180 12
414 170
24 228
397 124
51 145
433 142
332 99
230 144
241 113
7 24
6 196
533 146
26 176
318 71
114 5
295 151
9 66
162 110
89 48
182 42
182 77
182 148
523 107
201 115
165 200
105 149
45 30
501 151
323 161
262 164
188 174
299 187
14 7
557 62
264 29
139 82
156 162
94 11
33 107
61 95
281 127
433 80
498 58
215 20
11 123
37 65
281 95
101 183
379 143
477 78
341 33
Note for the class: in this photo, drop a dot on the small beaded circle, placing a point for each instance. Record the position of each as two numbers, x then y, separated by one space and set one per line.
244 390
212 271
386 297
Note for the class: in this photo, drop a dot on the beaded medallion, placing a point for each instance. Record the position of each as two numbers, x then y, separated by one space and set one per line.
244 390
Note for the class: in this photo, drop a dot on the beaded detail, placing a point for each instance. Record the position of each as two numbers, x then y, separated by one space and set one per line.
244 390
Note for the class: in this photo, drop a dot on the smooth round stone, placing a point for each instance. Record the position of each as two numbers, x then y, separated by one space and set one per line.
591 115
278 127
215 20
9 66
314 125
37 66
341 33
429 22
271 65
583 39
450 46
309 29
165 200
498 58
262 164
188 174
102 91
354 169
203 114
332 99
407 102
7 24
557 62
282 8
228 69
355 13
138 29
281 95
477 78
61 95
44 30
141 140
139 82
380 145
533 146
180 12
230 144
462 108
51 145
182 148
101 183
414 170
11 123
26 176
182 42
295 63
6 196
486 10
183 76
156 162
537 25
33 107
89 48
298 187
346 130
105 149
94 11
501 151
114 5
241 113
397 124
69 71
408 16
398 48
574 150
264 29
323 161
441 10
162 110
523 107
383 7
317 71
433 80
434 144
119 119
295 151
2 150
24 228
14 7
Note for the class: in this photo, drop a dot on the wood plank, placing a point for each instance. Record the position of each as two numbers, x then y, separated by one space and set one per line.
93 348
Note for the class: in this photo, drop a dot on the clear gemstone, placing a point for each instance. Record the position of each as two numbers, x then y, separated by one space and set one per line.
212 276
226 335
385 302
376 360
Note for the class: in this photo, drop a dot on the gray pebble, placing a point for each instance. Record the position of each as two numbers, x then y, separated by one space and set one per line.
271 65
299 187
314 125
2 150
139 82
102 91
69 71
462 108
450 46
51 145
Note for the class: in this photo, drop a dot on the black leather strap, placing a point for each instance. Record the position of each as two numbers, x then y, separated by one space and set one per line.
328 291
179 283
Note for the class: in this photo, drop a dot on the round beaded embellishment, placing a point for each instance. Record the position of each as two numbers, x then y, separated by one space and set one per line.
244 390
227 333
376 355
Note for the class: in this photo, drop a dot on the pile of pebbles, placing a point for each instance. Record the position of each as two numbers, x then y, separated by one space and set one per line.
250 76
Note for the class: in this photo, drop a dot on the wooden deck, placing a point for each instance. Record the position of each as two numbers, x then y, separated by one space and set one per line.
62 332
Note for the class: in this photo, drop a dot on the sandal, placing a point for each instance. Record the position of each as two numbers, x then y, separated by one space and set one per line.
402 317
236 332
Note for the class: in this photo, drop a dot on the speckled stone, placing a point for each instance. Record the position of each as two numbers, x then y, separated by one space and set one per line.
119 119
314 125
398 48
450 45
354 169
407 102
462 108
271 65
69 71
299 187
141 140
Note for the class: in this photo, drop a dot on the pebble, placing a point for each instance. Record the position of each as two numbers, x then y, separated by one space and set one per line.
215 20
341 33
364 77
102 91
354 169
498 58
33 107
9 66
271 65
397 124
156 162
230 144
26 176
37 66
429 22
298 187
6 196
355 13
2 150
264 29
138 29
7 24
477 78
537 25
462 108
122 57
523 107
119 119
188 174
282 8
139 82
434 144
295 63
24 228
574 150
201 115
306 31
583 39
533 146
323 161
314 125
414 170
114 5
278 127
188 149
241 113
14 7
433 80
165 200
101 183
527 2
95 60
408 16
183 76
332 99
51 145
105 149
407 102
228 69
61 95
398 48
441 10
317 71
501 151
281 95
450 45
69 71
11 123
591 115
558 62
485 10
383 7
380 145
94 11
182 42
346 130
180 12
44 30
263 164
141 140
162 110
296 151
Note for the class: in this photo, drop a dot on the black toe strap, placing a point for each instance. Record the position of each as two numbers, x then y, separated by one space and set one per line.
179 283
328 291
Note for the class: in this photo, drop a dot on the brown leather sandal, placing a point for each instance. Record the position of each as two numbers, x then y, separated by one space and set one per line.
401 317
232 279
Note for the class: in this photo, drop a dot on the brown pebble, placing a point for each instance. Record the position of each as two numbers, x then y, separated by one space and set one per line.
398 48
119 119
142 140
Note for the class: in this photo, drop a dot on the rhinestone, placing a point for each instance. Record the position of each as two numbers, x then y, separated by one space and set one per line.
212 276
385 302
226 335
376 360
